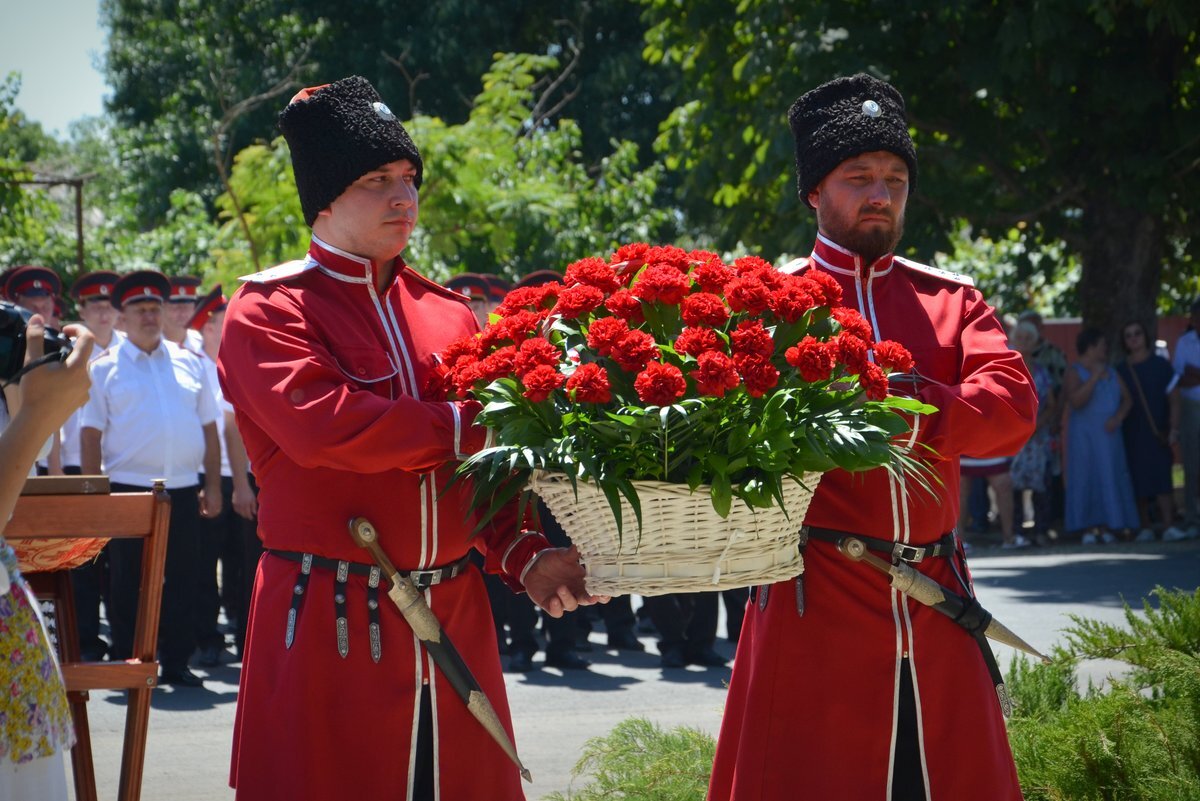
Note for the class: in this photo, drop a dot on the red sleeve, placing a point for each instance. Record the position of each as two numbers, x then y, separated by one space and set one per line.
508 548
275 370
992 411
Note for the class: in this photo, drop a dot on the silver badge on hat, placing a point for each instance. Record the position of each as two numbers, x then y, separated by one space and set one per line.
871 109
383 111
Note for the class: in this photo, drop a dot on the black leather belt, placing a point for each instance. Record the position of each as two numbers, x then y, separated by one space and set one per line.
423 579
898 551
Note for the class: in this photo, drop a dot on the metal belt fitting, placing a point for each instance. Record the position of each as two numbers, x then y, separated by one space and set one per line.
339 608
899 551
422 579
373 613
297 599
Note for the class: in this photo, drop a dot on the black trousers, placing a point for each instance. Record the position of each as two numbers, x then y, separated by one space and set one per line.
908 783
686 620
176 630
233 541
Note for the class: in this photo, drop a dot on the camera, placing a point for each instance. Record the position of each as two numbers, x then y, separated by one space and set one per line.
13 320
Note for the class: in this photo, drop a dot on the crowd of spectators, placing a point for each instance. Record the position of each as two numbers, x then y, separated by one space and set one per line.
1112 423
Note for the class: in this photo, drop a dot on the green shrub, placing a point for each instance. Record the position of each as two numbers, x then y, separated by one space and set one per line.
1136 740
638 761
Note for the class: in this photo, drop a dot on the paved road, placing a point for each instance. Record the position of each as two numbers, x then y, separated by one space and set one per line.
1033 593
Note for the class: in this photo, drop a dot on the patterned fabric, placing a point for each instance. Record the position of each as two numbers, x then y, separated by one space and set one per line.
1030 467
34 718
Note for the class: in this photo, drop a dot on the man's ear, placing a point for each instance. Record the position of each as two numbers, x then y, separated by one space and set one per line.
814 197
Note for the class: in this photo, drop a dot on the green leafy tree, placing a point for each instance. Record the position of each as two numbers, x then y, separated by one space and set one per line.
181 72
1081 117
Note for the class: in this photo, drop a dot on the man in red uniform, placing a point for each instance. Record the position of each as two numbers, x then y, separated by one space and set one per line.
325 361
844 688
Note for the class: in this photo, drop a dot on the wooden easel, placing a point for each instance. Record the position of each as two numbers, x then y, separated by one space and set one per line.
74 506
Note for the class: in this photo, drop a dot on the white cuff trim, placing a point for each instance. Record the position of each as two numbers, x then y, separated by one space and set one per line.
508 551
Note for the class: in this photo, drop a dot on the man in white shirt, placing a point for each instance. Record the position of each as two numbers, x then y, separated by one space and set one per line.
152 415
178 310
230 537
1187 365
92 293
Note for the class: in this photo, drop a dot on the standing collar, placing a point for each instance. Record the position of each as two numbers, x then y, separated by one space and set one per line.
837 259
346 266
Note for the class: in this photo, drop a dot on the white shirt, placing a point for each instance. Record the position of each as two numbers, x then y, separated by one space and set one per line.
69 434
223 406
1187 351
150 409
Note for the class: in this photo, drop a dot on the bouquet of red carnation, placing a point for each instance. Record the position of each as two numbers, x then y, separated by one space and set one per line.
664 365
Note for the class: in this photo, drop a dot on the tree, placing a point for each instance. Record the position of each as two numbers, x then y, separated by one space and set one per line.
1080 117
178 66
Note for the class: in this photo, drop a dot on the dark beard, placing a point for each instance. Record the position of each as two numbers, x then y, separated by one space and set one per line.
870 244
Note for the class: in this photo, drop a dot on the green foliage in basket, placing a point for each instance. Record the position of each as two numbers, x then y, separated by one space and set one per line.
664 365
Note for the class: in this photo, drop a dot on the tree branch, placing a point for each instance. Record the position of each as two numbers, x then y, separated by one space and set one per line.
409 78
540 113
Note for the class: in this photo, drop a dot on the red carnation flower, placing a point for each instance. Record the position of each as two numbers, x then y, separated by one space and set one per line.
704 308
634 251
751 338
662 283
535 352
714 374
605 333
466 377
812 358
660 384
592 271
694 341
852 322
713 276
757 372
874 381
747 294
791 300
851 351
668 254
702 256
893 356
634 350
830 289
541 381
498 364
528 298
625 304
467 347
589 384
751 265
577 300
515 329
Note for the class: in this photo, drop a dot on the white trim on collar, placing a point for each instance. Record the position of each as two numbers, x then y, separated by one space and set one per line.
339 252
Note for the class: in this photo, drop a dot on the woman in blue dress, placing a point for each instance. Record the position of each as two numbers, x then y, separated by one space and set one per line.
1099 490
1151 382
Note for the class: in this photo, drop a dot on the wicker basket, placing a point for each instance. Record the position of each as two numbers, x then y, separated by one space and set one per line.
39 556
684 545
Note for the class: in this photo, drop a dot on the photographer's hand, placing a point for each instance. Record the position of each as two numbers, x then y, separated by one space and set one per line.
47 396
51 392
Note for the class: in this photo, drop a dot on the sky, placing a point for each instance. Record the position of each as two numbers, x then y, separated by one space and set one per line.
54 45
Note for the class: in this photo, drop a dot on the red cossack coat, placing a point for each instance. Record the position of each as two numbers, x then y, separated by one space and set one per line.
326 376
812 708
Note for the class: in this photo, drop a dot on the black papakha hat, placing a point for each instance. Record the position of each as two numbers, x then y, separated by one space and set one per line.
337 133
844 118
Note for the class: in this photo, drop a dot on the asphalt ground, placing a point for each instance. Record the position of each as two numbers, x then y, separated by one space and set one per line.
1032 591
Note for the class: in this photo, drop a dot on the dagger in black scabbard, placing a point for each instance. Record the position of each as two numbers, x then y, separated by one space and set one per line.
411 603
966 612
